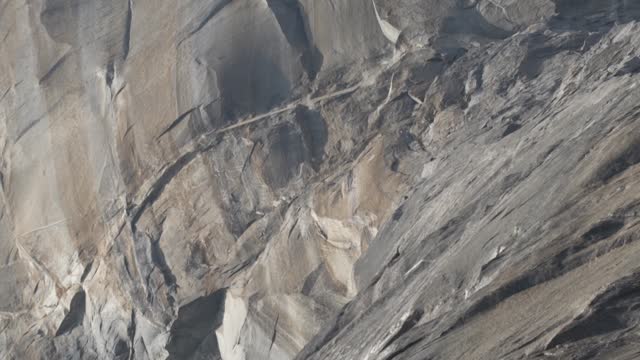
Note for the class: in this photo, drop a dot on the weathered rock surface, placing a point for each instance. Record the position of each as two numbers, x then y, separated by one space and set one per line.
310 179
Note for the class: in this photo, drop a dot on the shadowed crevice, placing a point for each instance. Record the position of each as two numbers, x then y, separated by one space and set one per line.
126 43
75 316
194 328
294 26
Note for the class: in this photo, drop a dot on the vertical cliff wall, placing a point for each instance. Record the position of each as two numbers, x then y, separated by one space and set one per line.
339 179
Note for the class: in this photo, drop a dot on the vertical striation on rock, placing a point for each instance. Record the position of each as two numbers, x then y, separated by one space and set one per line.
319 179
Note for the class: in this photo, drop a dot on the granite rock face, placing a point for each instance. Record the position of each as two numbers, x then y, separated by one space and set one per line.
319 179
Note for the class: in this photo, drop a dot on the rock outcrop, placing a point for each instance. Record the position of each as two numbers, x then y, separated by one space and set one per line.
311 179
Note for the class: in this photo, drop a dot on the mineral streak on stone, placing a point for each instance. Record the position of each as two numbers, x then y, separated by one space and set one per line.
319 179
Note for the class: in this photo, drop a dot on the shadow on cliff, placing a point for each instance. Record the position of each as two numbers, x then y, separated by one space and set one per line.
193 332
594 15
